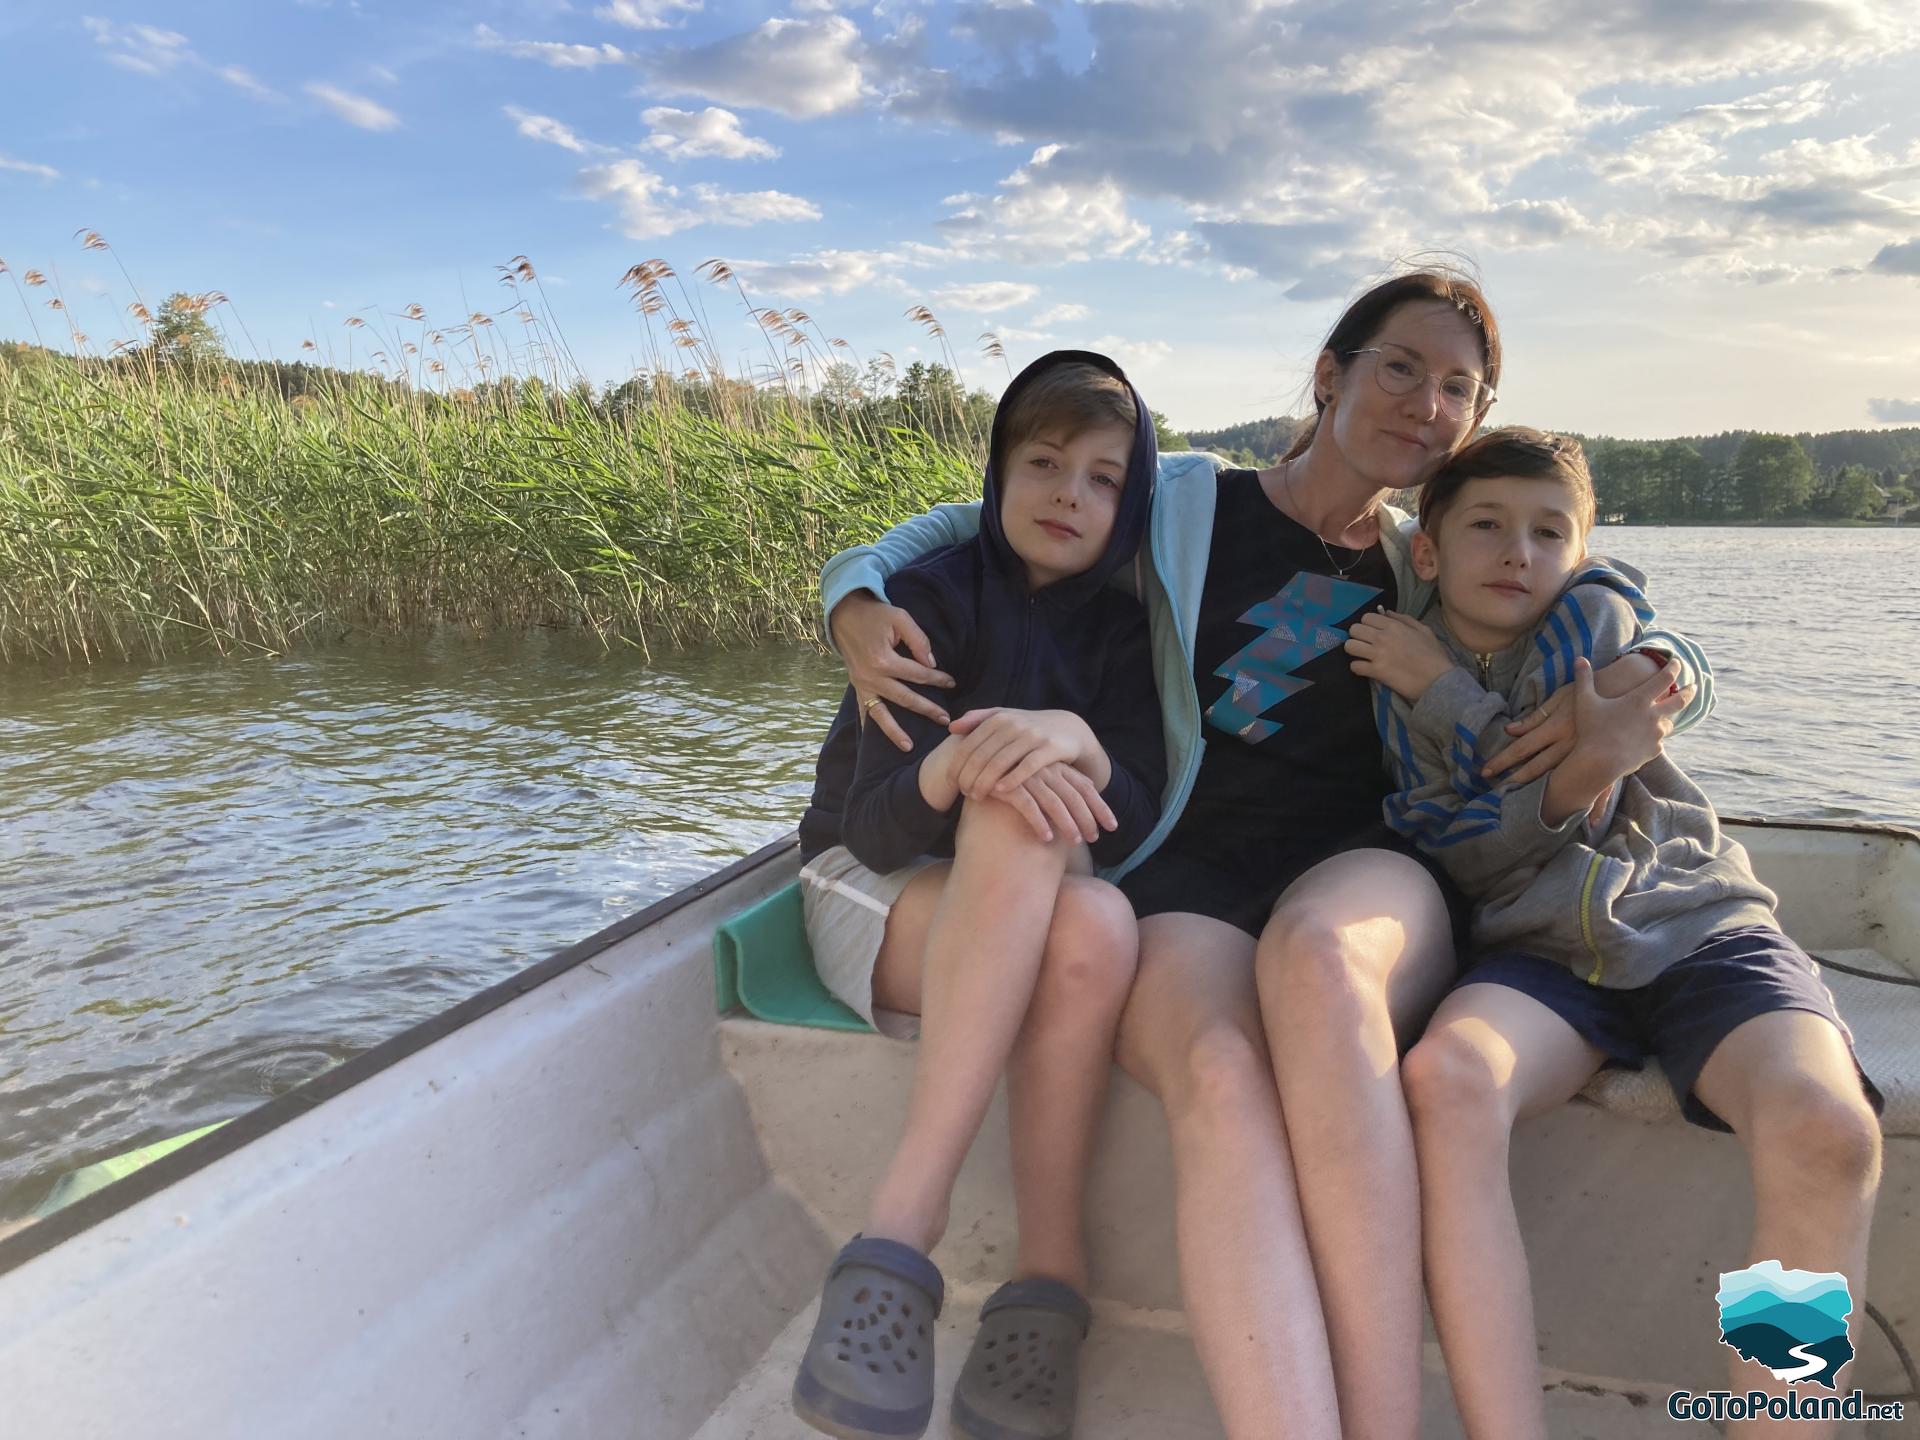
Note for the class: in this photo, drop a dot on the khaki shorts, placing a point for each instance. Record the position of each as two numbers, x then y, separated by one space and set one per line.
846 907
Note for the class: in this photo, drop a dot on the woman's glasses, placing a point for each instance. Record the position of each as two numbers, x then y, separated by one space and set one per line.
1400 372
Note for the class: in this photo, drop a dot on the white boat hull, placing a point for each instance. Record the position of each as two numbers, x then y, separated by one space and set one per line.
573 1208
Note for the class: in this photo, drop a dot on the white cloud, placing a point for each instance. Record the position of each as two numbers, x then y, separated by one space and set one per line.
687 134
141 48
354 109
986 297
147 50
1062 314
1394 125
823 272
1037 218
550 52
549 131
644 14
1898 259
750 207
1895 412
1134 356
801 68
650 207
242 79
28 167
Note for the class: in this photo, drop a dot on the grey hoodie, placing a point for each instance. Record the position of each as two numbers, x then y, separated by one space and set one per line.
1619 901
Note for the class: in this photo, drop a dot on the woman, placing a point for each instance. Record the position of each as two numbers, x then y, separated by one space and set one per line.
1290 946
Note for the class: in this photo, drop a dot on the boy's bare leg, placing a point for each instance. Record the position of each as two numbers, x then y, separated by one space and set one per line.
1357 954
1786 1084
1491 1056
1061 1062
1191 1034
978 964
1058 1074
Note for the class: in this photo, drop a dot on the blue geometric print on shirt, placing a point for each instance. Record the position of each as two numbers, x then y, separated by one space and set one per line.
1298 626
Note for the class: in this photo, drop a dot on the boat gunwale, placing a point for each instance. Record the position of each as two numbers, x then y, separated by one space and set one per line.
64 1224
90 1210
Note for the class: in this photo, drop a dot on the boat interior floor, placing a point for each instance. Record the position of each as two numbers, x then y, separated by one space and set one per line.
1140 1377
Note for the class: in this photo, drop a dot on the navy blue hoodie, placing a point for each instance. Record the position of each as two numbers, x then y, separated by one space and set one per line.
1078 644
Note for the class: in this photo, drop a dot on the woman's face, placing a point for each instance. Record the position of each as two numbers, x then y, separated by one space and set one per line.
1397 441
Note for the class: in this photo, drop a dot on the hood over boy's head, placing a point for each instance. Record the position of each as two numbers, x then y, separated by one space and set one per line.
1054 406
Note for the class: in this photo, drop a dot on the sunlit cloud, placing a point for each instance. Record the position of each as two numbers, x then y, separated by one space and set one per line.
687 135
650 208
354 109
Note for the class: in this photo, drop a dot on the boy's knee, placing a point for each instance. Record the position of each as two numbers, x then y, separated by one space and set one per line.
1449 1083
1224 1078
995 828
1093 944
1822 1139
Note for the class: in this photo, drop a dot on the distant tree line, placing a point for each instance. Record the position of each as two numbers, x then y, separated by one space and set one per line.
1735 475
1754 475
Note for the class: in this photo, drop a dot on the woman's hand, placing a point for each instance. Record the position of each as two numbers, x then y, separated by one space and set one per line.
1057 800
1618 734
867 632
1547 736
1398 651
1002 749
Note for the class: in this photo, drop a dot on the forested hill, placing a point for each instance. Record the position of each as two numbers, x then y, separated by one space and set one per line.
1897 450
1735 475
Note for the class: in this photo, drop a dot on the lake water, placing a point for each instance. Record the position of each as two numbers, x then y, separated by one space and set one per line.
217 878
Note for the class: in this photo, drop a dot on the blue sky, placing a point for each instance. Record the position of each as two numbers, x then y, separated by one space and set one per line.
1692 215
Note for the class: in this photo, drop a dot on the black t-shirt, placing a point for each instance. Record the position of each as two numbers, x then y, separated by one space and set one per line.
1291 756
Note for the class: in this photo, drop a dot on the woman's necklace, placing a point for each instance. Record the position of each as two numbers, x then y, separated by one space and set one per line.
1286 483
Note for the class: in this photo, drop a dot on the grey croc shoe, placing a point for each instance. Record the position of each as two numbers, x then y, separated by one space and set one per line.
1022 1376
868 1370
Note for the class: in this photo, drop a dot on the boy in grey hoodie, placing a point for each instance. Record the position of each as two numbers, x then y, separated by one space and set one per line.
1614 919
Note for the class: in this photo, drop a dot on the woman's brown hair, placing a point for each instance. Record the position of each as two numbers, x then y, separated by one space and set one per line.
1365 317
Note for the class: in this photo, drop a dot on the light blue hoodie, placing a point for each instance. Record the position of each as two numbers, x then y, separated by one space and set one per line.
1169 575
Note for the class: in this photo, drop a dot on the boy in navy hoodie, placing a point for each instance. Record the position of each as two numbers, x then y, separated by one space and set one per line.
953 881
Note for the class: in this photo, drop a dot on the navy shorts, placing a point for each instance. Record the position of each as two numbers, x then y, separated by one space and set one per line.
1243 889
1681 1017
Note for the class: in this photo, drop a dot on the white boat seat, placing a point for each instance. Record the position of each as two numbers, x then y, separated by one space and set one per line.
1885 1020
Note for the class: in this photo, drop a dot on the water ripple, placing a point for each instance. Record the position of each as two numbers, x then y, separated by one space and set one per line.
219 878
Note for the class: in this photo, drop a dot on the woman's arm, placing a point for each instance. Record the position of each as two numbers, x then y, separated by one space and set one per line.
868 631
1544 738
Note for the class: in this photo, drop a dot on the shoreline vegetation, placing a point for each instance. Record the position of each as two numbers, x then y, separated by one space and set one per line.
1739 477
168 498
164 496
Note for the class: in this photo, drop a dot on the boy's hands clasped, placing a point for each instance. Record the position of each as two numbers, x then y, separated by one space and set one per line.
1045 763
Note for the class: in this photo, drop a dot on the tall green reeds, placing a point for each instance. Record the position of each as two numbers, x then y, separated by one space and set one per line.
147 507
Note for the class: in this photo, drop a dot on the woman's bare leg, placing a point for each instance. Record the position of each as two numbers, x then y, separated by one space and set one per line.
1786 1084
977 963
1491 1056
1357 954
1191 1034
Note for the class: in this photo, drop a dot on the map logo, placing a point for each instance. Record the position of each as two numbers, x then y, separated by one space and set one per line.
1794 1322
